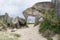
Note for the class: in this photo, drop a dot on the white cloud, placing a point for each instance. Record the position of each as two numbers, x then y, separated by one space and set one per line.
12 10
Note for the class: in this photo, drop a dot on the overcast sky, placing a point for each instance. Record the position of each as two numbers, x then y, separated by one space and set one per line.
16 7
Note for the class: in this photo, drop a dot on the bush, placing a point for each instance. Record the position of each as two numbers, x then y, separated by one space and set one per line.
50 38
51 22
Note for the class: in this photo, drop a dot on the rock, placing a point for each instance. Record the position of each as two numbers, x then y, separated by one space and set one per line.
13 30
18 23
22 22
48 33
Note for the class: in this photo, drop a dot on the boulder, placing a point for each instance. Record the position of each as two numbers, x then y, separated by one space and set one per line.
22 22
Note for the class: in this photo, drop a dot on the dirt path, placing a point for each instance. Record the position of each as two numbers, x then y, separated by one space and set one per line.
30 33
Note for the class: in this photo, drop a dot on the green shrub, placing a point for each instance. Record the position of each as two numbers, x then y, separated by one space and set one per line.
50 38
51 22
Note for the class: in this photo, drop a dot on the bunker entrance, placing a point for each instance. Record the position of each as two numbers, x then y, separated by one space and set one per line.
31 20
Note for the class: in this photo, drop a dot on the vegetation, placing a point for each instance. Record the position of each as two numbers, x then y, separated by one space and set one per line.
51 22
16 35
7 36
50 38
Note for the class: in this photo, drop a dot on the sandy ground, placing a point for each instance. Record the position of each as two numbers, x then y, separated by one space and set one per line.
30 33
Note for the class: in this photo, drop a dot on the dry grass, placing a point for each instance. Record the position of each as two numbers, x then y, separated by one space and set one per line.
8 36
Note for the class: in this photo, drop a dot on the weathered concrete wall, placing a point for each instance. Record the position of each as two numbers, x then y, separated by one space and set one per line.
37 10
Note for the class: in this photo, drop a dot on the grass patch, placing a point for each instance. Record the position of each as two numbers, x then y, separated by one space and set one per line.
8 36
15 34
